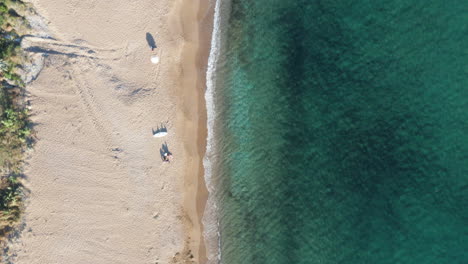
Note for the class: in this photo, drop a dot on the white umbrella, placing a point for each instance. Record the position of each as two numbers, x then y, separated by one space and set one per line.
160 134
155 59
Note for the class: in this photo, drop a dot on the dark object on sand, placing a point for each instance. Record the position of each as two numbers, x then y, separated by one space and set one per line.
150 40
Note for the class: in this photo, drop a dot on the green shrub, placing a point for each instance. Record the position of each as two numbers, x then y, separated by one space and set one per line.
7 48
14 132
10 205
3 9
14 128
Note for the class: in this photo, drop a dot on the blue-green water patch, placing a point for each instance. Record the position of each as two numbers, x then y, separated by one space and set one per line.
342 132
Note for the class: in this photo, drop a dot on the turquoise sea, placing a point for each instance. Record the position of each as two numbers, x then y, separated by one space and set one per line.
341 132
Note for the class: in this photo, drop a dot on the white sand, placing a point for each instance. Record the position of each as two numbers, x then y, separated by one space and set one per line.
99 190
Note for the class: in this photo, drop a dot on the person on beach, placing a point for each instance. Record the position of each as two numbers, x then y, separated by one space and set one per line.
167 157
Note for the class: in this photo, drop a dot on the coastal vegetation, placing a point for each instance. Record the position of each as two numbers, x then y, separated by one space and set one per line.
15 132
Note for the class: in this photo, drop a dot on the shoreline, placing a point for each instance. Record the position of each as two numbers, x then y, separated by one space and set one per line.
211 221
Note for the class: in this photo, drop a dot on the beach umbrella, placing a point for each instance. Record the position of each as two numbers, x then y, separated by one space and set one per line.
160 134
155 59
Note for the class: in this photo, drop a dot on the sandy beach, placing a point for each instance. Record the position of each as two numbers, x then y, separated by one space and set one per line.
99 191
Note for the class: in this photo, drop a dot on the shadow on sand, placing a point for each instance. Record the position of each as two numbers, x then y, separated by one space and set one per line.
150 40
161 128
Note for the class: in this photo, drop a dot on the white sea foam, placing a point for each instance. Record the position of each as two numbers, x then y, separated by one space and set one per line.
212 232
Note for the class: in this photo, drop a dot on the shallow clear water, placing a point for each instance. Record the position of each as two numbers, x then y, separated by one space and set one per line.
342 132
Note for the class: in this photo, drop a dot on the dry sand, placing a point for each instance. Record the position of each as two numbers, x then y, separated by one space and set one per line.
99 190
